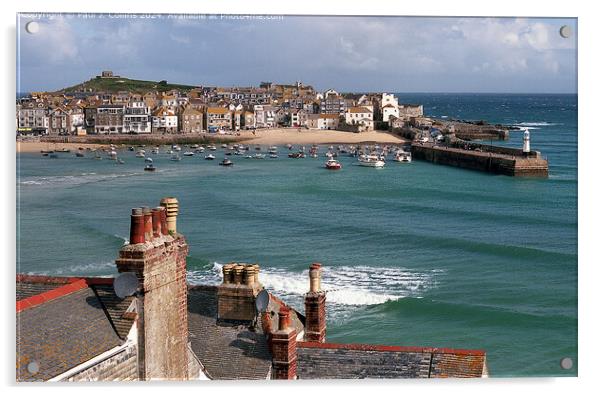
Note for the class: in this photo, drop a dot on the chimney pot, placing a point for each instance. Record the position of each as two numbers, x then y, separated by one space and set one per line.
315 274
156 215
164 229
137 226
238 272
249 275
148 223
172 208
283 318
227 272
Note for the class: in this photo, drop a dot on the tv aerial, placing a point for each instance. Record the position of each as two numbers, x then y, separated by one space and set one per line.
126 284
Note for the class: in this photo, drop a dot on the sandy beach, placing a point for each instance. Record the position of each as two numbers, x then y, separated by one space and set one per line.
277 136
312 136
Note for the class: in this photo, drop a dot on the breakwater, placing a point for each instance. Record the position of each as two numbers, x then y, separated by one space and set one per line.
492 159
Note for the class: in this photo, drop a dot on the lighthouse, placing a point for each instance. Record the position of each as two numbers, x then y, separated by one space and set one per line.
526 143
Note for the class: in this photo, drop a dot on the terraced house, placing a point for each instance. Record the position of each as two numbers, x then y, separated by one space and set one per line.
191 120
218 118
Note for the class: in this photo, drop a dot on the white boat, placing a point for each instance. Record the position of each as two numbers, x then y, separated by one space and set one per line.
155 151
259 156
403 156
188 153
141 154
209 157
148 160
176 148
274 156
371 161
211 147
332 164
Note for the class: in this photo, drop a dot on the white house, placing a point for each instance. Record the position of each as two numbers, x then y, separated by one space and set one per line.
164 120
137 118
361 116
389 106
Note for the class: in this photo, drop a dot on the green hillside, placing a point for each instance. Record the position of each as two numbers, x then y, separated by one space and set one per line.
124 84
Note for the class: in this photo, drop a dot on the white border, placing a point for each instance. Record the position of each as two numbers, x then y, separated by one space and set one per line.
589 197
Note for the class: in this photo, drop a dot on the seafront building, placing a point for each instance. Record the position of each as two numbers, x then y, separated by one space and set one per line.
205 110
148 323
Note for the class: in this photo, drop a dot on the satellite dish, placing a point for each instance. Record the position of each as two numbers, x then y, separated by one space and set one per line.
262 300
125 284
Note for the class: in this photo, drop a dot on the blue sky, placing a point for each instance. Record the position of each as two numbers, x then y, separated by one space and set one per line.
396 54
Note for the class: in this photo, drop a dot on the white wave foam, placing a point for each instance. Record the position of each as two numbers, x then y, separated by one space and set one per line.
81 270
83 178
346 285
535 124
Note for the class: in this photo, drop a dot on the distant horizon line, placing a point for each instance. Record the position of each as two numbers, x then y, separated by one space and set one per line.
400 92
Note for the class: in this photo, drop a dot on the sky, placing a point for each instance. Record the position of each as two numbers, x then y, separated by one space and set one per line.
349 54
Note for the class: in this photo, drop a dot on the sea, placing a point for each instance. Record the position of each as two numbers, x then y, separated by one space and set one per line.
414 254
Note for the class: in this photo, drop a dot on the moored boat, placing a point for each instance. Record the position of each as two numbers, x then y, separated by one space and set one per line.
226 162
209 157
150 167
333 164
371 161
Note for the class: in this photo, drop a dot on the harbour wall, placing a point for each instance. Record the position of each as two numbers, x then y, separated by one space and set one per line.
510 163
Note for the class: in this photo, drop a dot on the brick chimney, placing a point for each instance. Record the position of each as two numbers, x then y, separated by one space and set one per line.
284 348
159 261
315 307
236 295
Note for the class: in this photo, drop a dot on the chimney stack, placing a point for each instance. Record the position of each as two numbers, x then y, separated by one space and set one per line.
284 348
171 208
315 306
236 295
160 265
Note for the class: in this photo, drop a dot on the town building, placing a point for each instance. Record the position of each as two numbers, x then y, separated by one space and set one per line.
164 120
191 120
333 103
32 117
361 117
149 324
137 118
218 118
389 107
109 119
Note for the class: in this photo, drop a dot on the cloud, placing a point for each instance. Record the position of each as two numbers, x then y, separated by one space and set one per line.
347 53
54 42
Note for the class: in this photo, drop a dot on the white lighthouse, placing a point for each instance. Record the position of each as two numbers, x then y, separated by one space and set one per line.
526 143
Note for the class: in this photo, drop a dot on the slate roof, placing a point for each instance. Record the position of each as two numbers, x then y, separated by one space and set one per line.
63 322
227 351
352 361
62 333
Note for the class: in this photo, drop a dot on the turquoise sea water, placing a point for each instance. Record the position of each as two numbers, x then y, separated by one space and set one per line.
414 254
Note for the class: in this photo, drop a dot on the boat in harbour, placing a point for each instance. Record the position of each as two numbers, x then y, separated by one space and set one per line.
226 162
141 154
209 157
175 158
150 167
148 160
403 156
188 153
333 164
371 161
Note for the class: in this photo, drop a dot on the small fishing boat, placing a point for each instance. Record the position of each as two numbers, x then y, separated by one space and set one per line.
141 154
333 164
211 147
274 156
131 149
296 155
176 148
188 153
228 153
226 162
209 157
224 145
148 160
150 167
47 152
259 156
155 150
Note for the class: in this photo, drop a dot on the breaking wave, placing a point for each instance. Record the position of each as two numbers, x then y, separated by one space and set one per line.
72 180
345 285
